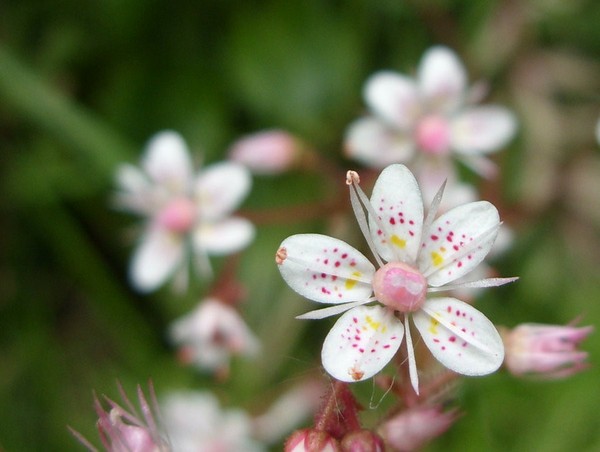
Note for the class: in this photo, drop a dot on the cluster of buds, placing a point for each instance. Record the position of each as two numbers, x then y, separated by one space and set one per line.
123 429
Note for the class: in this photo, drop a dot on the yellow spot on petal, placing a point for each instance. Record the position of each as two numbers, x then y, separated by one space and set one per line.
400 243
433 327
350 283
374 325
437 259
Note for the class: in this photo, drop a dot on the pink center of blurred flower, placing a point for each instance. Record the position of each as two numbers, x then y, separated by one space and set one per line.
178 215
433 135
400 286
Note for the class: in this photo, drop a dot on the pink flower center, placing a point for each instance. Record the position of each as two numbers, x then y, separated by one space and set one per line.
178 215
400 286
433 135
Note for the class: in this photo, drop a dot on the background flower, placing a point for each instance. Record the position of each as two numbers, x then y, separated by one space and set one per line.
427 117
187 215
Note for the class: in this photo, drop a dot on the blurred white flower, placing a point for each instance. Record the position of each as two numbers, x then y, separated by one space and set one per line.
196 423
289 411
430 114
186 215
211 334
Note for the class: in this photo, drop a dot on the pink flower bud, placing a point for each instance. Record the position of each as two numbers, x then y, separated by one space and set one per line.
123 430
309 440
413 428
268 152
547 351
362 441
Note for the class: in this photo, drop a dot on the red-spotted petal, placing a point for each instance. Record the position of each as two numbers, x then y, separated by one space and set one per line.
325 269
396 199
457 242
459 336
361 343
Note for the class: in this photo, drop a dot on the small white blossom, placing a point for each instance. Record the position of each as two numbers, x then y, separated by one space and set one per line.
416 256
197 423
429 115
187 216
211 334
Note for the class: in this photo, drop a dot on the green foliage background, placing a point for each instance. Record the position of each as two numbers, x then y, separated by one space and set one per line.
83 85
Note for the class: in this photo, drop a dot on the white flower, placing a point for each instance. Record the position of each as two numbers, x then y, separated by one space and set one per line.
415 256
430 114
186 215
211 334
196 423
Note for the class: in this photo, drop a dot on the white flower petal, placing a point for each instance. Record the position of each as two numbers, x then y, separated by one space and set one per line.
459 336
136 191
155 259
220 188
396 199
370 141
394 98
432 173
167 161
442 79
361 343
480 164
223 237
325 269
458 241
482 130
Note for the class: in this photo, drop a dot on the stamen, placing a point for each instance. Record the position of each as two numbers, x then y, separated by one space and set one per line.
412 363
481 283
352 177
361 218
431 214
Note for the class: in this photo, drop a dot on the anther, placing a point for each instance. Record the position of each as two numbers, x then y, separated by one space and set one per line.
352 177
280 256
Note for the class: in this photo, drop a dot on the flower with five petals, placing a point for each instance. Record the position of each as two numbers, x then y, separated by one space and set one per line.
415 256
430 114
188 216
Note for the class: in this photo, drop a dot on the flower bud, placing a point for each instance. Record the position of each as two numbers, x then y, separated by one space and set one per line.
546 351
268 152
413 428
309 440
362 441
